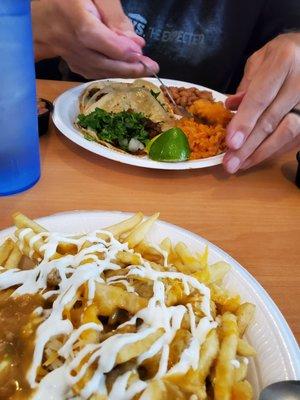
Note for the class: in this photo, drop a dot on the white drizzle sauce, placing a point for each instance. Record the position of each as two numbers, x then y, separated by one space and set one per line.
245 360
86 267
190 356
146 271
235 363
53 386
119 390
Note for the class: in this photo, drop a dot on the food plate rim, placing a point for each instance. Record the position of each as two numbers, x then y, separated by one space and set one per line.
68 130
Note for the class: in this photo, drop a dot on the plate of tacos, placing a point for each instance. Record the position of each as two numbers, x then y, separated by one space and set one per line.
134 122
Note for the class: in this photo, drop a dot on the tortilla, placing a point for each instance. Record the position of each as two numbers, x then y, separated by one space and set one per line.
98 89
101 87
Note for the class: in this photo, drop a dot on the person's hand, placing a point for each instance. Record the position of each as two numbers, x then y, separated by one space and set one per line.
269 90
95 38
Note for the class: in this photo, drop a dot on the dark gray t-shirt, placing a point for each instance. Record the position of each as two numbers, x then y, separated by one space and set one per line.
208 41
203 41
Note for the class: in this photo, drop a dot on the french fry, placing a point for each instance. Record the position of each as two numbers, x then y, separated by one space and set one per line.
224 300
28 252
21 221
203 257
174 293
128 258
109 298
5 250
98 397
203 275
62 248
125 226
90 314
244 349
166 245
133 350
240 373
208 353
242 391
162 390
218 271
121 369
149 253
244 314
139 232
193 382
37 244
188 260
123 329
178 344
14 258
224 377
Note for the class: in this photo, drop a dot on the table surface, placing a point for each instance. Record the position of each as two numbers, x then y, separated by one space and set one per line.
254 216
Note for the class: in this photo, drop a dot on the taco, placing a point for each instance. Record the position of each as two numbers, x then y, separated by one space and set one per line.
140 106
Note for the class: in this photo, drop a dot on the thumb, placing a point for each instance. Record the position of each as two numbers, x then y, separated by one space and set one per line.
113 16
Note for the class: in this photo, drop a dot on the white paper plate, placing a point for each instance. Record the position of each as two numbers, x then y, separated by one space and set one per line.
66 110
278 356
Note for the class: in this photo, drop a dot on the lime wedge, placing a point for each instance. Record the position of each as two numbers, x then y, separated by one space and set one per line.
149 144
170 146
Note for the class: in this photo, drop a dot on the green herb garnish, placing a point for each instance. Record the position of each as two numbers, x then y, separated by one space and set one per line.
116 128
154 94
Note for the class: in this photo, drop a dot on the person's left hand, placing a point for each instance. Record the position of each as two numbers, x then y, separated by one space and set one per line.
269 90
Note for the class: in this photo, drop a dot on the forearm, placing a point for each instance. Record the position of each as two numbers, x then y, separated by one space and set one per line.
42 47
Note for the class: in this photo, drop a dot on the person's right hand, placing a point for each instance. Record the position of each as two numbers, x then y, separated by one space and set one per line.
95 38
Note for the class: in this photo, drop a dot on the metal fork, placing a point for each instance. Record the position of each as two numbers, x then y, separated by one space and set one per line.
181 110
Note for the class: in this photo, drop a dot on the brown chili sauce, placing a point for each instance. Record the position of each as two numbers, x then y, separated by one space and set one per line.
18 325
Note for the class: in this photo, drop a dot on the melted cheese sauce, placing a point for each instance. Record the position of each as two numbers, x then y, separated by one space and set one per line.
86 267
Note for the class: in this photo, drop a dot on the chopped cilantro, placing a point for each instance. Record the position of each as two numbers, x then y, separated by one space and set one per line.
116 128
154 94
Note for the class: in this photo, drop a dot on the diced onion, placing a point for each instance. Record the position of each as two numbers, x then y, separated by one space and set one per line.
135 145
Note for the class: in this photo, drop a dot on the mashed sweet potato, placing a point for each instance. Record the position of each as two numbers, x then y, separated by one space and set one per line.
211 113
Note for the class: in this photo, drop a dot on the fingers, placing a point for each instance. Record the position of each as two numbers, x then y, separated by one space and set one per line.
286 99
112 14
286 136
94 35
260 94
131 35
97 66
242 146
152 66
259 147
233 101
113 17
100 52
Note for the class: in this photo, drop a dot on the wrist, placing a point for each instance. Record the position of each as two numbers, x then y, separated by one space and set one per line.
42 45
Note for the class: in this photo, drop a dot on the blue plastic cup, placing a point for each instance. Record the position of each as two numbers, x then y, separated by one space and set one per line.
19 141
